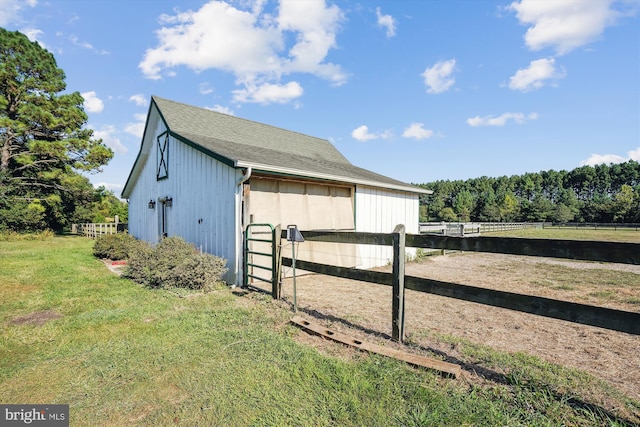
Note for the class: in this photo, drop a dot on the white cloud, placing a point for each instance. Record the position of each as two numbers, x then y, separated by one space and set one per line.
137 128
205 88
107 134
216 36
387 134
11 10
502 120
536 75
387 22
92 103
565 25
77 42
417 131
256 46
362 134
439 77
139 99
221 109
33 34
597 159
267 93
86 45
315 26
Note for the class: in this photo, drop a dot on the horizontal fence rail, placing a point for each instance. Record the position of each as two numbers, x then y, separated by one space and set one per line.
583 250
95 230
614 252
356 237
595 225
463 228
488 227
607 318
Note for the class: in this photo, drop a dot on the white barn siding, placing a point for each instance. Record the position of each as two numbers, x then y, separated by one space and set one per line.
143 222
203 192
379 211
203 210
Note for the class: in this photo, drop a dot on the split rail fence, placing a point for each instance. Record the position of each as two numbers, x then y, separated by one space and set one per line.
466 228
617 320
595 225
95 230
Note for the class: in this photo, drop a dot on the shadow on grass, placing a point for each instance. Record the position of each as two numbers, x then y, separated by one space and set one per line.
490 375
481 371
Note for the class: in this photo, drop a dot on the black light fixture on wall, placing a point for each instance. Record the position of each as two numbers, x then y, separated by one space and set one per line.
166 201
152 204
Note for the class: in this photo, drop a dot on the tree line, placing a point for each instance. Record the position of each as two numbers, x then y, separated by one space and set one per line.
602 193
45 145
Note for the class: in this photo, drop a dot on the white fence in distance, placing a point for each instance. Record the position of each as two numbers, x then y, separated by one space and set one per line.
95 230
460 229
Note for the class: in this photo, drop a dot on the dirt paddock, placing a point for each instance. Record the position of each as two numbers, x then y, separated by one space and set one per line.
364 310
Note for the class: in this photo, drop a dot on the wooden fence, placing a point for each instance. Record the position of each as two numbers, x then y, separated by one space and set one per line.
617 320
95 230
488 227
471 228
595 225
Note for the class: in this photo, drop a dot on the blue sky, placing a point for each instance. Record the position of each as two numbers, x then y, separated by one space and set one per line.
415 90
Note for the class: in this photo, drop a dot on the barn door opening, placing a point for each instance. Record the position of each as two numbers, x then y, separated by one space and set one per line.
311 206
262 258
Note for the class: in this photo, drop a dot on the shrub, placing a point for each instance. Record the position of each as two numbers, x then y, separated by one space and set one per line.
170 253
6 236
21 215
200 271
114 246
140 263
175 263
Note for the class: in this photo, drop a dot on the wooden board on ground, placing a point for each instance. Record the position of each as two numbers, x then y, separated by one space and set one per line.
413 359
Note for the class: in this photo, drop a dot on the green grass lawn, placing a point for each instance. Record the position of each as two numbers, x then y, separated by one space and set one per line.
120 354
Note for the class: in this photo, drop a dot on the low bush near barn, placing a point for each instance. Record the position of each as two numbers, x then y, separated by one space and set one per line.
115 246
175 263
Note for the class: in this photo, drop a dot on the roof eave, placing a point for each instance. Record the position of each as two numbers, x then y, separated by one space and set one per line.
330 177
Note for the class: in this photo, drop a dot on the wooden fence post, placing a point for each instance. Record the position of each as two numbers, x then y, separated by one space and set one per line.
397 325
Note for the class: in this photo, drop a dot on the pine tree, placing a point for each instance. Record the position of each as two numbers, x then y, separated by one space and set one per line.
44 143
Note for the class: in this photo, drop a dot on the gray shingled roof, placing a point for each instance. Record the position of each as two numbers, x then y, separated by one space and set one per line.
266 148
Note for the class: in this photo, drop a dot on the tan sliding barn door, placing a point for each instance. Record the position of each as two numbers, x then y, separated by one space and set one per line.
310 206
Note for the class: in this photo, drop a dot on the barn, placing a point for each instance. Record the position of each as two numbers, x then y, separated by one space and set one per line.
205 176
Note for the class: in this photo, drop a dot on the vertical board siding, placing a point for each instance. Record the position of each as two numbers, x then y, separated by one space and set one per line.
379 211
203 193
203 211
144 222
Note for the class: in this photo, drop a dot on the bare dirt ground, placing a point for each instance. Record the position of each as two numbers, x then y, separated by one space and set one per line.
38 318
364 310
